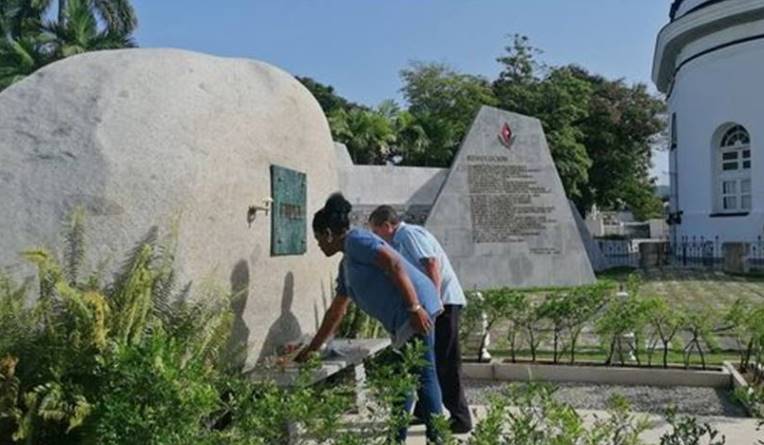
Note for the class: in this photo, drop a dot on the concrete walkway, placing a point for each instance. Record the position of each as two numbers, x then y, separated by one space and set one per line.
738 431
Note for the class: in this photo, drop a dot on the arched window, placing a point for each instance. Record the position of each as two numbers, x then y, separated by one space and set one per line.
733 168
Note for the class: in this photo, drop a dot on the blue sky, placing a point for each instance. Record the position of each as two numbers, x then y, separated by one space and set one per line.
359 46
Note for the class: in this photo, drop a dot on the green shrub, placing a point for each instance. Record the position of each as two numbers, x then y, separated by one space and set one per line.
686 430
136 360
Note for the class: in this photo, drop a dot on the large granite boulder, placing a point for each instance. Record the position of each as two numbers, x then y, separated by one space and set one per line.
138 137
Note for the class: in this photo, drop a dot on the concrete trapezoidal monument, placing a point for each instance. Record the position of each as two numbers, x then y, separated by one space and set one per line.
502 214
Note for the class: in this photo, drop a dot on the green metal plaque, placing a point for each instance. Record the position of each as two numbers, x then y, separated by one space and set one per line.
288 212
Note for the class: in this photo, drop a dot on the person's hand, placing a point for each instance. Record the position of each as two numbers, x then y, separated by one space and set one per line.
420 321
304 355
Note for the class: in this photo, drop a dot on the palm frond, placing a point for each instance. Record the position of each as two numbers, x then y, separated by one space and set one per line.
119 15
74 245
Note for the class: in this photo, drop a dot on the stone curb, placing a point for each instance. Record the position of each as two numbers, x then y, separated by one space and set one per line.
524 372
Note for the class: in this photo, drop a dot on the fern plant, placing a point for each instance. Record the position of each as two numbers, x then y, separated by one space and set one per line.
59 356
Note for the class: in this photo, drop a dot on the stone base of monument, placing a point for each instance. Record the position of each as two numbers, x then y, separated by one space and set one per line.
598 374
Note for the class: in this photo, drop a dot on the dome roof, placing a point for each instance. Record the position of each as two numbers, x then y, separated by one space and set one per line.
682 7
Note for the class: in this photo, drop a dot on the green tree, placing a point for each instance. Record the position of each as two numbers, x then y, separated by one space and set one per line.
444 103
79 32
326 96
118 16
600 131
619 133
28 42
369 135
22 42
558 98
666 321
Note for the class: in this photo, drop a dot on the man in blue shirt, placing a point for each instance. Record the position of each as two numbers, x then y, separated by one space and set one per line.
423 250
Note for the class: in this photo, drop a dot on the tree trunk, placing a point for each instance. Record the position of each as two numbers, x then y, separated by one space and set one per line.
665 354
512 344
573 341
702 357
61 12
609 359
636 350
482 346
747 357
556 341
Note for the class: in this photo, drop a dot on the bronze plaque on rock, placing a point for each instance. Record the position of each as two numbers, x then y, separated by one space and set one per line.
288 212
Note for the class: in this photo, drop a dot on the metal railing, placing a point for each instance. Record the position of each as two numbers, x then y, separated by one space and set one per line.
685 251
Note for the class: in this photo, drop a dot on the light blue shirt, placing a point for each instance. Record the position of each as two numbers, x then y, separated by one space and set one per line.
415 243
375 293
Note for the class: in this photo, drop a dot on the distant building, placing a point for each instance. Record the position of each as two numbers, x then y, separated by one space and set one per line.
709 61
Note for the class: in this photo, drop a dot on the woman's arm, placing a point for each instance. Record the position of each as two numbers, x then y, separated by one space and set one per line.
331 321
392 264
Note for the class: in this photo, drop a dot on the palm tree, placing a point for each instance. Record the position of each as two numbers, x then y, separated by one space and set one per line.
23 46
79 32
27 44
411 137
19 16
118 15
21 57
367 134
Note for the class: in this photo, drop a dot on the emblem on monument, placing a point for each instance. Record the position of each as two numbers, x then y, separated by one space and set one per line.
505 136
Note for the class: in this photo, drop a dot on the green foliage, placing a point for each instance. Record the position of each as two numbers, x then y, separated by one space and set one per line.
582 305
751 397
600 131
558 309
687 431
28 41
745 321
700 325
77 31
444 102
498 305
137 361
619 131
530 415
329 100
106 362
665 321
558 98
392 379
368 134
624 316
149 396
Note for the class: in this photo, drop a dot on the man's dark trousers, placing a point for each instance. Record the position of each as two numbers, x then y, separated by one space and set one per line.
448 360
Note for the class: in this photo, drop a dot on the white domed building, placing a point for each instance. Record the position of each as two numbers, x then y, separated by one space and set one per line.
709 61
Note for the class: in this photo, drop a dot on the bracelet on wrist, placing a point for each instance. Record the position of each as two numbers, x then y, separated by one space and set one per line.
415 308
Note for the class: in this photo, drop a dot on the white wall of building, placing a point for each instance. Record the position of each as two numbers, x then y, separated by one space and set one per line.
716 89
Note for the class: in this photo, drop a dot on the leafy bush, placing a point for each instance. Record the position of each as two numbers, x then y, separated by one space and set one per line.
134 361
687 431
529 415
632 326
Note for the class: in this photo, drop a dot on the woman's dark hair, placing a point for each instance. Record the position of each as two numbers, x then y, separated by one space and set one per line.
335 215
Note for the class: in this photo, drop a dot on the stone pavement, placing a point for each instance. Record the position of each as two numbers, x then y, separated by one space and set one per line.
738 431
